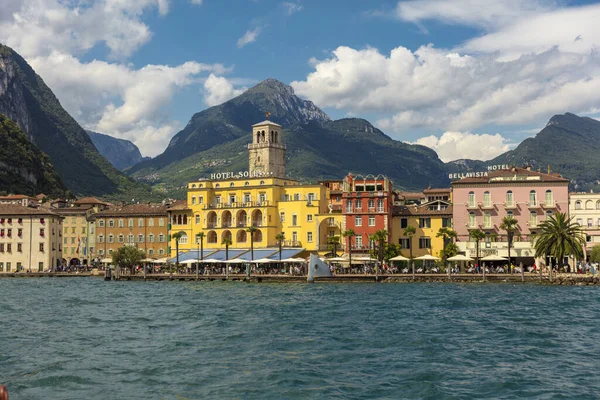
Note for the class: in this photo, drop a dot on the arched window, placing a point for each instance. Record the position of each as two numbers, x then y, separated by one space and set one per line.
257 137
472 220
258 237
549 200
471 202
589 205
262 136
241 218
509 214
487 200
548 214
510 202
193 185
262 182
598 205
247 184
257 217
183 239
578 205
211 237
231 184
532 219
185 219
179 220
272 136
217 185
532 198
241 236
276 137
211 219
226 235
226 219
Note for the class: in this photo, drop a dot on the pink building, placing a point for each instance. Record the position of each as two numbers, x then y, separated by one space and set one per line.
482 202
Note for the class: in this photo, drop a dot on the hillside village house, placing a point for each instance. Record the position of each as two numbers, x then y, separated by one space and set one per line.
482 202
30 238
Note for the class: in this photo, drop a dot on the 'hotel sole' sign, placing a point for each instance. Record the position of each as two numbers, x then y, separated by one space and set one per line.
240 175
477 174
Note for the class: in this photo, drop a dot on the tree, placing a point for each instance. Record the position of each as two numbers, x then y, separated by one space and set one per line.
128 257
509 225
445 233
251 229
478 235
176 237
409 232
391 250
280 238
559 237
333 242
226 241
200 240
450 250
380 237
595 255
349 233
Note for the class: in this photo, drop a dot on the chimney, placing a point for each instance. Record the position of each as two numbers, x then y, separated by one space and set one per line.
548 169
527 167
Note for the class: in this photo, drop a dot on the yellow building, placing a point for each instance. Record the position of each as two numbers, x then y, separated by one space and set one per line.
230 202
427 219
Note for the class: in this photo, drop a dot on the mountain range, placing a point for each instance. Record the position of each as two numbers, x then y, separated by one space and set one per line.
25 99
121 153
317 148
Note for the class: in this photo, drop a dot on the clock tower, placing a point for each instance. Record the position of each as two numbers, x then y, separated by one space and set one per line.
266 152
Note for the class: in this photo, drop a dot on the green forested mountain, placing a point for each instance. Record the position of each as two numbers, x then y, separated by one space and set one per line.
25 98
569 144
317 148
24 168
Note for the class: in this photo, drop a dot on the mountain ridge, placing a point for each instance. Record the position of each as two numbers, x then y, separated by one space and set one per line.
121 153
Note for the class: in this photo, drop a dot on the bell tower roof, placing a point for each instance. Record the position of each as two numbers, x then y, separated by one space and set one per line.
266 122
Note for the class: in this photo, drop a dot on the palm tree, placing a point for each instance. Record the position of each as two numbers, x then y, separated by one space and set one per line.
227 242
251 230
409 232
176 237
200 240
559 237
333 242
445 233
509 225
280 238
349 233
380 237
477 235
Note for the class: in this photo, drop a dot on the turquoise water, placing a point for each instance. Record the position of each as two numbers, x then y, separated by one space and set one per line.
83 338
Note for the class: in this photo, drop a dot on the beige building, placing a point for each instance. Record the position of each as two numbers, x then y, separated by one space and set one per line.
266 153
584 208
30 238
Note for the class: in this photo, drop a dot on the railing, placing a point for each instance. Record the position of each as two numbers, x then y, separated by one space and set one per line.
257 223
291 243
266 144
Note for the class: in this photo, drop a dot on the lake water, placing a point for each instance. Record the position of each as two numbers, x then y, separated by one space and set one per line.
83 338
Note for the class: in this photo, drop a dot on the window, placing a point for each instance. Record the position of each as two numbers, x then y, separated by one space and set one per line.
294 237
111 239
589 205
121 239
371 220
380 205
309 237
100 252
83 230
9 248
548 214
509 213
598 205
161 251
532 198
72 240
100 239
262 197
111 223
73 230
200 200
150 252
140 222
549 200
130 239
358 221
532 219
282 216
579 222
447 222
296 196
140 238
404 243
424 242
487 200
232 198
371 204
19 247
183 239
309 218
161 222
358 242
66 240
130 223
403 222
161 238
150 238
294 220
471 201
121 223
193 199
1 247
348 206
424 222
41 247
358 204
311 198
487 220
578 205
247 198
472 220
197 219
590 222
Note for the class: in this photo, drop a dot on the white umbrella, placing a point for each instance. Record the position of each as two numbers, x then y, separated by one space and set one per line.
337 259
264 261
235 261
161 261
106 260
211 261
299 260
399 258
428 257
363 258
189 262
494 258
459 257
290 260
148 260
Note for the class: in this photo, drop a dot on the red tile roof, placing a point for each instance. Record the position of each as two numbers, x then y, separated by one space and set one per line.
422 209
134 210
15 209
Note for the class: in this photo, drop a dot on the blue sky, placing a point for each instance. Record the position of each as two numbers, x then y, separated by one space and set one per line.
469 78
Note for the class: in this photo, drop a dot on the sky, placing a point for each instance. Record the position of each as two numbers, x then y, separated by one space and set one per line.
468 78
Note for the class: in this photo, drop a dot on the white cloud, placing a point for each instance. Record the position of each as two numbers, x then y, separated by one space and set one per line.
250 36
218 90
449 90
197 2
452 146
291 8
119 100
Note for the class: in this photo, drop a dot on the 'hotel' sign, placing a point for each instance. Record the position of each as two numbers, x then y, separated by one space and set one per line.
477 174
240 175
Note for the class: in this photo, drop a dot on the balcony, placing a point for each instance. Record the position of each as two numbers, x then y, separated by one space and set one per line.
241 225
291 243
264 203
548 204
533 204
510 206
472 206
488 206
257 223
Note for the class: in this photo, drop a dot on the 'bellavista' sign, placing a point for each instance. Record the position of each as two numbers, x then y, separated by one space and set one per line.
240 175
477 174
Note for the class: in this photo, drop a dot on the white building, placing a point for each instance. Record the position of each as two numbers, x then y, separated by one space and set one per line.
584 208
